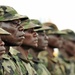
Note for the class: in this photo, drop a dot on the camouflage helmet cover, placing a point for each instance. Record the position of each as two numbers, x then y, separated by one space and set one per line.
28 25
70 34
36 21
53 29
68 31
43 28
52 26
8 13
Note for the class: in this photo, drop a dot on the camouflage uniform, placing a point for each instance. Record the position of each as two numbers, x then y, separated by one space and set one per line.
2 32
38 66
69 63
35 62
11 65
22 60
8 13
53 64
1 68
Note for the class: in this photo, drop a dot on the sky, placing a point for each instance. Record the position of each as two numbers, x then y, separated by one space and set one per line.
60 12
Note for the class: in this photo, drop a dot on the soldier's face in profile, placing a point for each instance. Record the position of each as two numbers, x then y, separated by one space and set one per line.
16 30
42 40
68 47
31 38
2 48
54 41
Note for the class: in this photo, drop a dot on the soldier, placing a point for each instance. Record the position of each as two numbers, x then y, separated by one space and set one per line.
54 43
68 52
2 48
42 45
31 41
10 20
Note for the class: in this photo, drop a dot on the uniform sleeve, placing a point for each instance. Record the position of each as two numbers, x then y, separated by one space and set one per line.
1 68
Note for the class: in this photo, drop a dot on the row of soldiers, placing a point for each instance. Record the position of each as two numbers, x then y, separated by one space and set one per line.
29 47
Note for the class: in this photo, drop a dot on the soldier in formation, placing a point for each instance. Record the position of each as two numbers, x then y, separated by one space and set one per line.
29 47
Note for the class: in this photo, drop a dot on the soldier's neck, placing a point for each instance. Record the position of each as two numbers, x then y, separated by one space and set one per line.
50 51
22 50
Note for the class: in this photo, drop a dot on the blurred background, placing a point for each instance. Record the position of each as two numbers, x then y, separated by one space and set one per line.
60 12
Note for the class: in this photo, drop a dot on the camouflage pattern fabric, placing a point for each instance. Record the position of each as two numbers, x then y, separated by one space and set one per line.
35 21
54 65
69 65
29 70
28 25
43 57
8 13
58 67
32 67
38 66
52 26
1 68
11 65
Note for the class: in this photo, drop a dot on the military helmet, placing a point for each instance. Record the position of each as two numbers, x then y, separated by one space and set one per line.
68 31
52 26
70 34
53 29
28 25
69 37
43 28
36 21
2 31
8 13
58 32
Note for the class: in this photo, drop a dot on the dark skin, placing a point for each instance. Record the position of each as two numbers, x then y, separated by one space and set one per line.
68 48
30 40
65 46
42 44
42 41
16 30
54 41
33 40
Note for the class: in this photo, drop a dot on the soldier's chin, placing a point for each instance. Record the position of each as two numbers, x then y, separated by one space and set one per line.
35 44
19 43
45 48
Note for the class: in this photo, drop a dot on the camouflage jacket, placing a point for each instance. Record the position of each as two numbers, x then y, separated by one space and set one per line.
26 64
38 66
11 66
54 64
1 67
69 64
